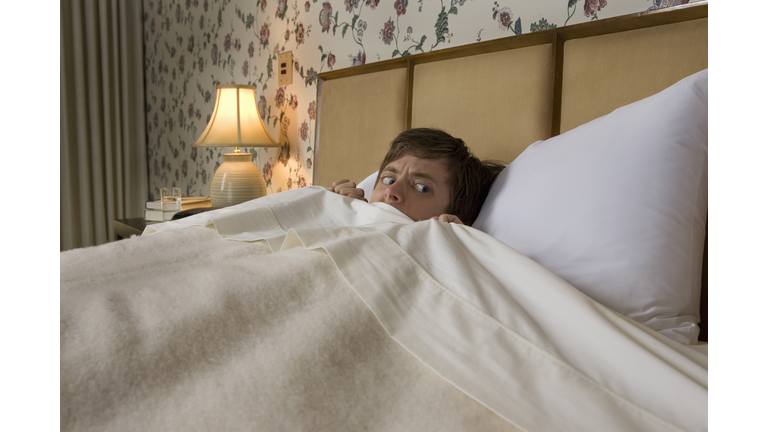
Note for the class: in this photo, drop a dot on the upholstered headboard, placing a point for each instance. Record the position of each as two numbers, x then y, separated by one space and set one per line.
502 95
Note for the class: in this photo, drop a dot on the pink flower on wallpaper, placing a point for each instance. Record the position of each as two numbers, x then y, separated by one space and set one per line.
191 111
228 42
325 17
251 49
263 5
168 24
282 6
263 37
184 167
152 26
159 7
267 172
296 65
359 59
374 3
202 64
306 6
155 119
178 13
245 68
309 163
183 145
262 107
304 131
592 6
215 54
238 45
331 60
387 33
205 5
204 177
289 182
202 22
351 5
287 35
188 3
193 154
181 63
400 6
301 182
191 43
312 110
181 118
280 97
300 34
177 177
505 18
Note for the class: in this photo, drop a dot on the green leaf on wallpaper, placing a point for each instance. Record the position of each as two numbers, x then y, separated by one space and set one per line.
309 149
421 43
395 53
322 58
207 96
344 30
249 21
454 10
441 27
220 20
495 13
354 20
320 47
518 27
572 3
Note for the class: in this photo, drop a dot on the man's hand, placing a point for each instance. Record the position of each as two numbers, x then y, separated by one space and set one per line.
348 188
448 218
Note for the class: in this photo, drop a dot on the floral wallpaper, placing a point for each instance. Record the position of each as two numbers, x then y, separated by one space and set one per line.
193 45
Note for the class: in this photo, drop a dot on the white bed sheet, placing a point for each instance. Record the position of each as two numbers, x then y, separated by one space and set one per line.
498 326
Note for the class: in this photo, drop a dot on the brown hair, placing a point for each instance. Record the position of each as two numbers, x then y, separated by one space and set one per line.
470 179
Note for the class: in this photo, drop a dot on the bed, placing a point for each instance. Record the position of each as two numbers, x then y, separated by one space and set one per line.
576 301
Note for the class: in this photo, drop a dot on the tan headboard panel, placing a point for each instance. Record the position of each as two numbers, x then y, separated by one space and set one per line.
498 103
614 70
357 119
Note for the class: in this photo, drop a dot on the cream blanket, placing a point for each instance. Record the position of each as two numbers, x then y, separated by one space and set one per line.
309 311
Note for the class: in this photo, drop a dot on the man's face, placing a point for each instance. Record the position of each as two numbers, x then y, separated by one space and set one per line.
417 187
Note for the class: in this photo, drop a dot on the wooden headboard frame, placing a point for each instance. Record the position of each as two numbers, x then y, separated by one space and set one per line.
547 76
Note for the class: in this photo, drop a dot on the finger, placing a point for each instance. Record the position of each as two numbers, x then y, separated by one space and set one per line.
337 183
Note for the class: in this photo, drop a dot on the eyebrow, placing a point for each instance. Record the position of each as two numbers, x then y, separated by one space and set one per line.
415 174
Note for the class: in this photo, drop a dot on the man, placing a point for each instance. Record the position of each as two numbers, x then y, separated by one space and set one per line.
428 174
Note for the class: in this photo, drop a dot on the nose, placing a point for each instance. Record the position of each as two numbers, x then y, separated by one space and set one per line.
394 193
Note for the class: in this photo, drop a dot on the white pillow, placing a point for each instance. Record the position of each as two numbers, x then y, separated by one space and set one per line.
368 185
617 207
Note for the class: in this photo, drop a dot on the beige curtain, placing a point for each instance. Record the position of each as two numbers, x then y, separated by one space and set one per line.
104 172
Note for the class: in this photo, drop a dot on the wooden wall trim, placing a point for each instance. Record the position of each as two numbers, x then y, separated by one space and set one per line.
558 53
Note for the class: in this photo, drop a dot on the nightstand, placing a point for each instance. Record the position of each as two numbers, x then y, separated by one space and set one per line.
124 228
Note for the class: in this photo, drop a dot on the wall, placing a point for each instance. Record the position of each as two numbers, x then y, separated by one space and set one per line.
193 45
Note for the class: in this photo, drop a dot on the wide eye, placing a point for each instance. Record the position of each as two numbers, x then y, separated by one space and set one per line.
387 180
421 188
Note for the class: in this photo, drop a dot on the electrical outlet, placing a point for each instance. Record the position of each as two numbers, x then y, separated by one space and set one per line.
285 68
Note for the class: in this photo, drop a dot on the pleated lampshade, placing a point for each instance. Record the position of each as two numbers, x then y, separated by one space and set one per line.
235 122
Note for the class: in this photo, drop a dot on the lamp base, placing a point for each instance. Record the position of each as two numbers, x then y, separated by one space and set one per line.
236 181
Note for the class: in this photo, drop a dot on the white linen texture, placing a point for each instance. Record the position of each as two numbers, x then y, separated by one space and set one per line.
199 324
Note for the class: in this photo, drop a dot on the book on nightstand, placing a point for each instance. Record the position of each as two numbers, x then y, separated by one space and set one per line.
154 209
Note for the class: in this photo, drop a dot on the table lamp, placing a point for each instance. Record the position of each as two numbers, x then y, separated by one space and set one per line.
236 122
